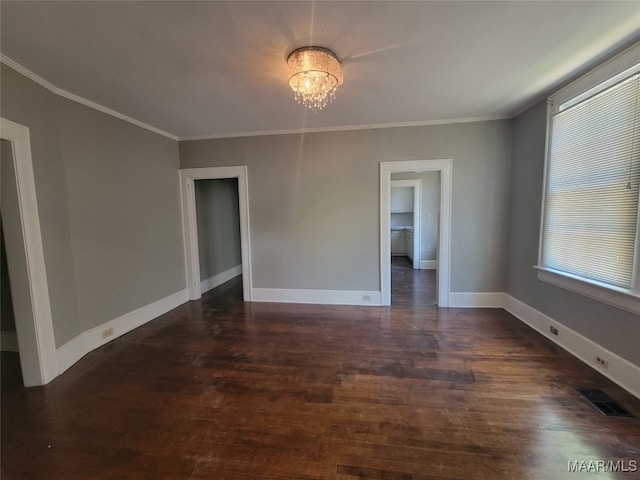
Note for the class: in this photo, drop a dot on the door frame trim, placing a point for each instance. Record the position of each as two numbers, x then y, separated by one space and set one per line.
444 166
416 185
36 338
188 176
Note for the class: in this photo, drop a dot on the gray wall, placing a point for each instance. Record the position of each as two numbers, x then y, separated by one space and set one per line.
614 329
314 201
108 197
430 211
218 217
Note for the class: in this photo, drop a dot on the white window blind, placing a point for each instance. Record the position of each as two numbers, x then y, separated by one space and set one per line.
593 181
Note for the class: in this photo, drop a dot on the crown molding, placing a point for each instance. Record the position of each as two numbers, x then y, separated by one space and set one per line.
342 128
83 101
296 131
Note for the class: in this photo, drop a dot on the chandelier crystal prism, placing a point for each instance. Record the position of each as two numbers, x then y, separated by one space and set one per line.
314 75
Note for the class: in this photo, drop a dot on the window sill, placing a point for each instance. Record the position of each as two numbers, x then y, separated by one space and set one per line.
617 297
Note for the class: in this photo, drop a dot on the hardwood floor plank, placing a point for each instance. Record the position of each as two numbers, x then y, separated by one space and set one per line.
222 389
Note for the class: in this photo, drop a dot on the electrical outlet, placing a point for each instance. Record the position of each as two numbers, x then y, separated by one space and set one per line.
107 333
603 362
553 330
366 298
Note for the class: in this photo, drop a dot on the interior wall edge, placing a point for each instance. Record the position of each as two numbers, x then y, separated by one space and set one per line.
72 351
619 370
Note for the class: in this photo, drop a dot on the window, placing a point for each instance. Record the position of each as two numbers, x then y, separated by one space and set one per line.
590 236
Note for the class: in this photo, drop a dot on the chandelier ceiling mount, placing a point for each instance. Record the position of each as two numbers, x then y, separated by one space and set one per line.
315 73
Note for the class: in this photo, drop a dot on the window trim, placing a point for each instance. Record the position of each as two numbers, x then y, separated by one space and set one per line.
628 300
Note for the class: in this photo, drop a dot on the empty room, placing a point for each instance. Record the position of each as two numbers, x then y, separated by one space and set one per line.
320 240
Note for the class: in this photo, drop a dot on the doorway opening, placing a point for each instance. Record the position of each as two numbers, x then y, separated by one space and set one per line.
415 209
434 248
218 225
406 206
235 180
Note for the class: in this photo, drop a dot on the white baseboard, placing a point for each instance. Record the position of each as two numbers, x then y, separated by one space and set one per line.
84 343
325 297
619 370
352 297
428 264
476 299
218 279
71 352
8 342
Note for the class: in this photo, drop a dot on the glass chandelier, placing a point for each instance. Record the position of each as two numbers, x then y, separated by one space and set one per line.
314 75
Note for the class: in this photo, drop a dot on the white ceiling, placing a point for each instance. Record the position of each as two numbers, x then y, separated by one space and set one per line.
200 69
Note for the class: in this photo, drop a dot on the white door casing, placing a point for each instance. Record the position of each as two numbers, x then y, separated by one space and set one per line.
190 227
416 185
444 166
36 340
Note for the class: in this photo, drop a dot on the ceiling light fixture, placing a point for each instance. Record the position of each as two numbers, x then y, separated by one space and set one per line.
314 75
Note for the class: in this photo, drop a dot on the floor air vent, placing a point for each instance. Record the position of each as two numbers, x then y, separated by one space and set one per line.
603 402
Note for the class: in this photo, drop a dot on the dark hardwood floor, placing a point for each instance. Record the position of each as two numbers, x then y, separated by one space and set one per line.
220 389
409 287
